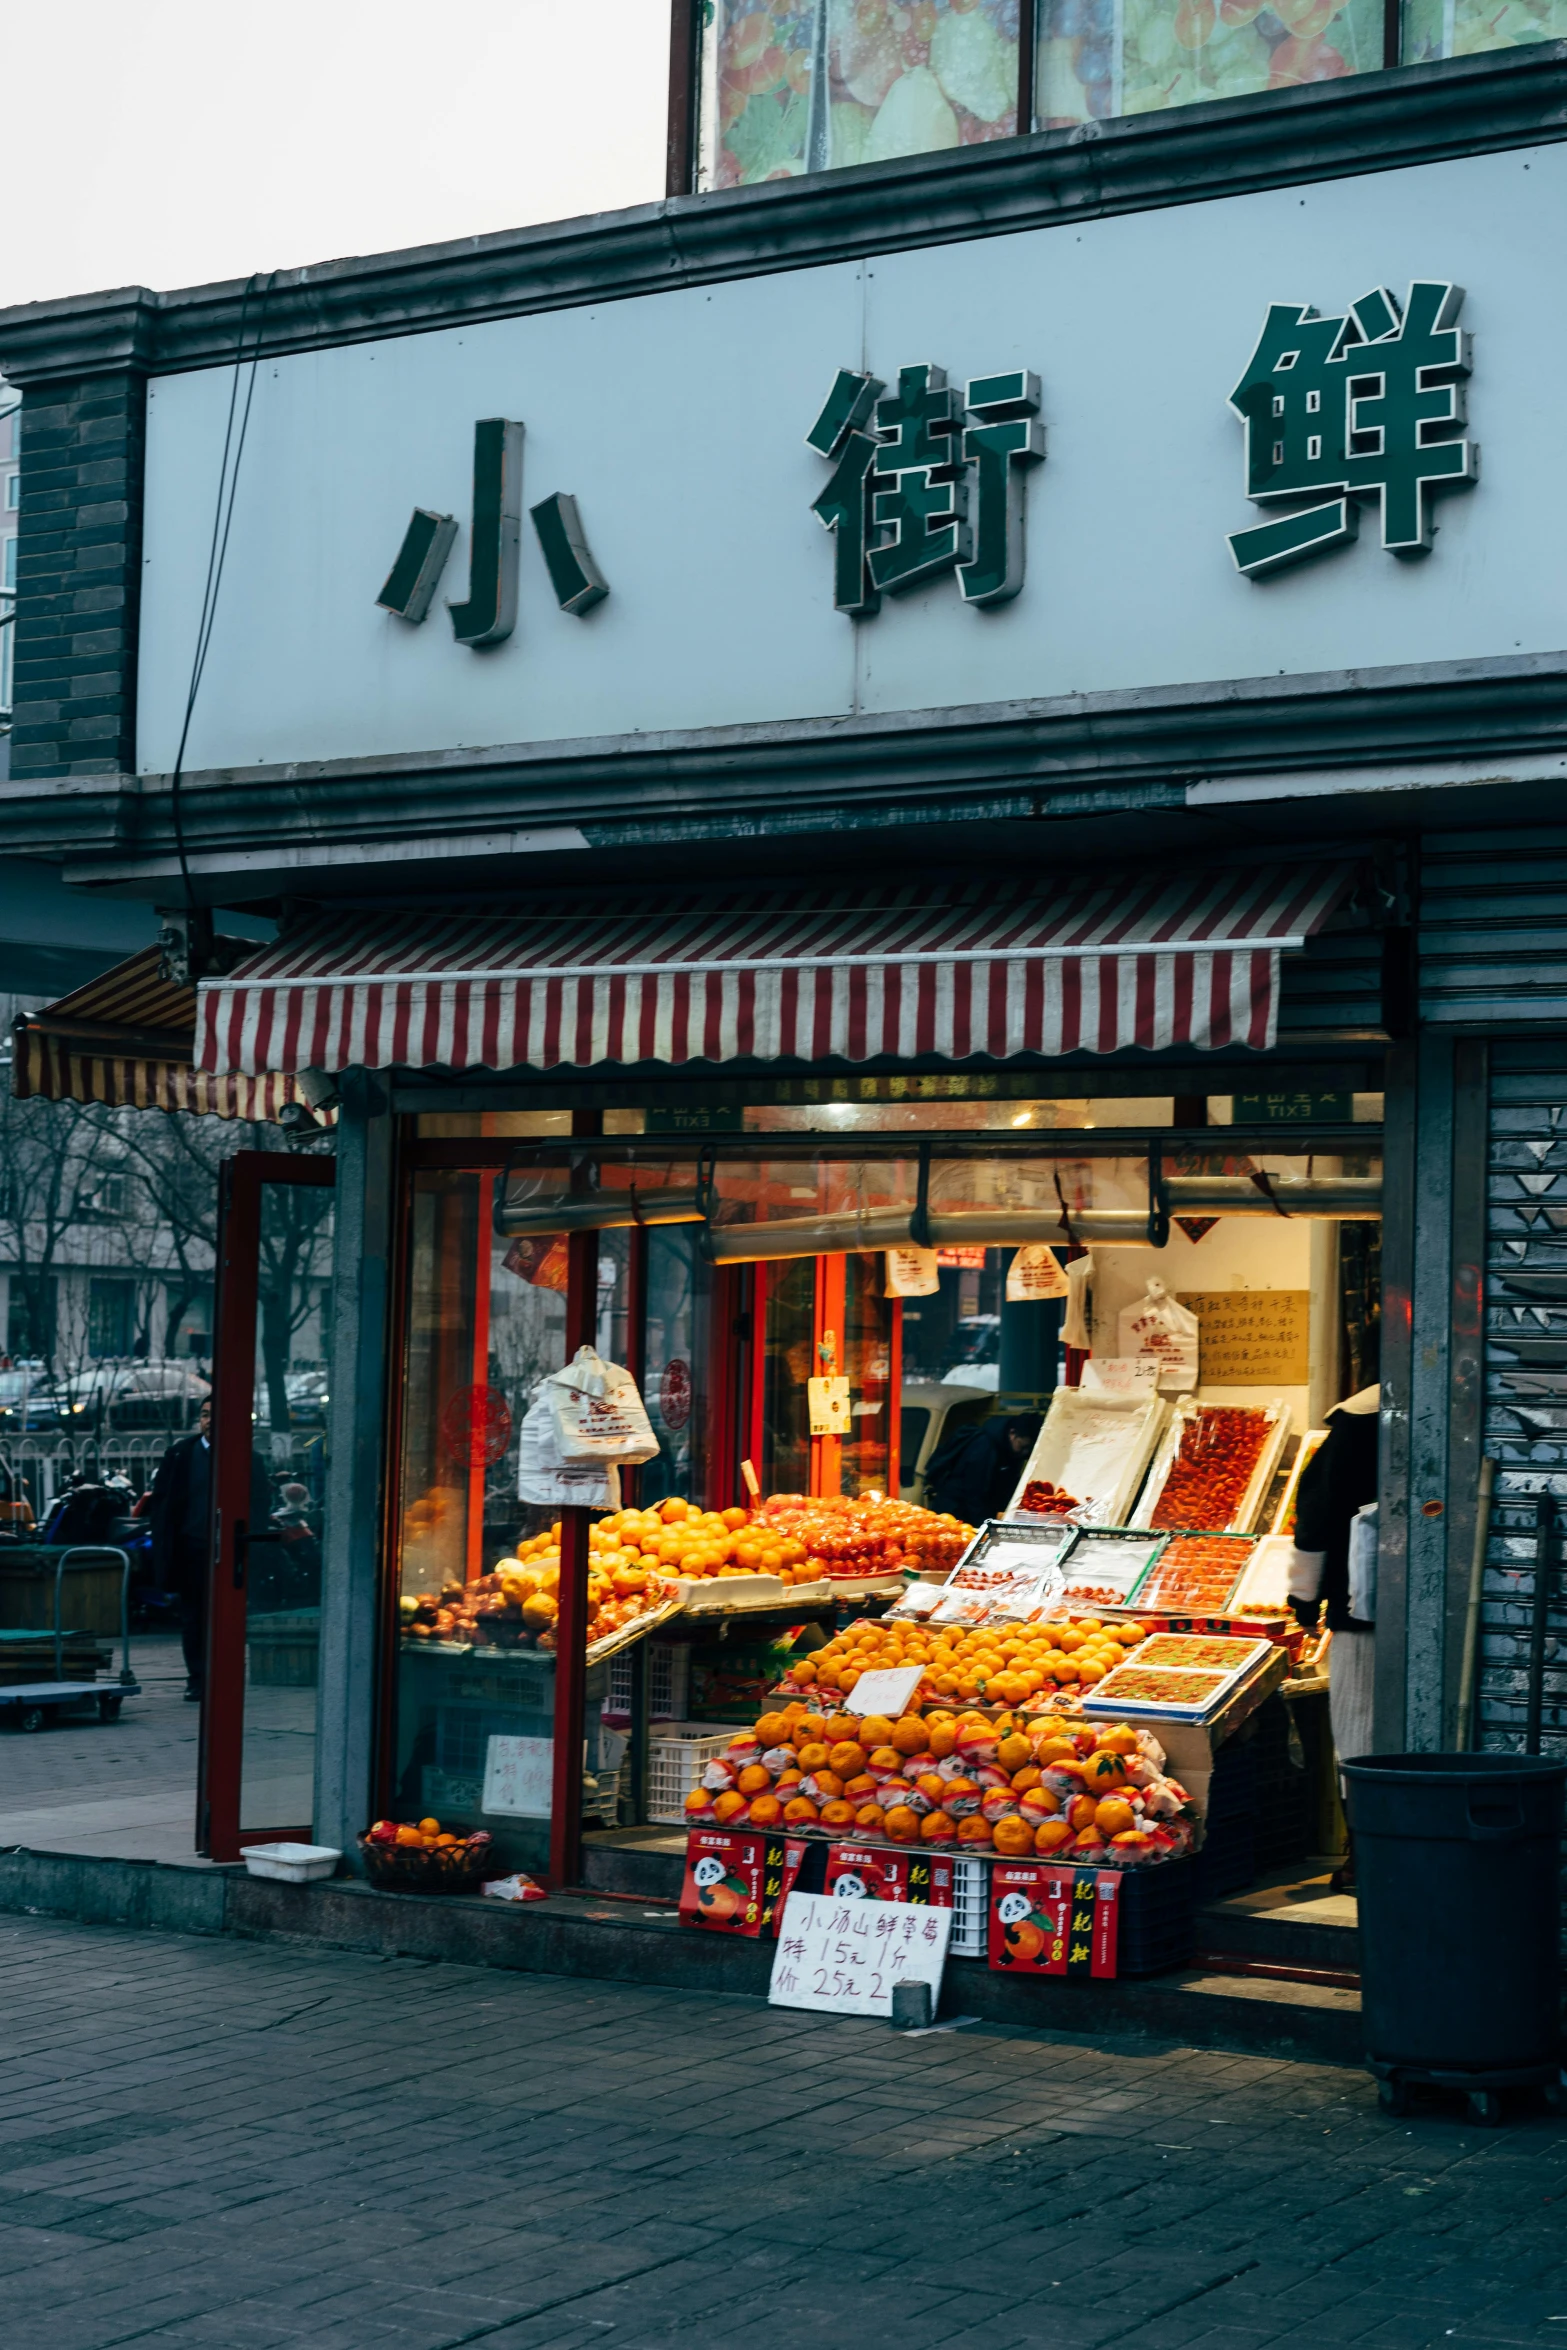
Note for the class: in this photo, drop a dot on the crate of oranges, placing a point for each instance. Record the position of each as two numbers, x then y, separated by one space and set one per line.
1012 1785
1010 1665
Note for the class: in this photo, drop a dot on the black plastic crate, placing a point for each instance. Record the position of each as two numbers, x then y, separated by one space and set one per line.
1227 1862
1158 1929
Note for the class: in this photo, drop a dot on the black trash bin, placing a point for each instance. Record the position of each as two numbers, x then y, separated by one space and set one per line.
1457 1865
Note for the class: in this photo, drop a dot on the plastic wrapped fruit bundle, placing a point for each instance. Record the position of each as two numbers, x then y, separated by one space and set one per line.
1023 1664
867 1536
948 1780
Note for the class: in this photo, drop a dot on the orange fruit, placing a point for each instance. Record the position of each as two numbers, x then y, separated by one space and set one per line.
1013 1836
976 1830
847 1758
837 1815
408 1836
901 1825
729 1806
839 1727
828 1785
755 1779
1050 1835
772 1729
766 1811
943 1739
799 1812
1082 1811
1013 1752
804 1672
429 1827
872 1730
908 1736
933 1787
1104 1771
938 1827
1114 1815
870 1819
813 1756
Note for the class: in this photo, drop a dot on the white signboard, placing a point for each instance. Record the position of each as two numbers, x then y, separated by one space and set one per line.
1121 1375
518 1776
677 424
885 1693
843 1956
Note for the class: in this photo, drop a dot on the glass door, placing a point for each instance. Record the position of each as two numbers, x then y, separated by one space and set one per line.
271 1409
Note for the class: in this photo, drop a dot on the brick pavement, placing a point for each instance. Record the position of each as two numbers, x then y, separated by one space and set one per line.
230 2146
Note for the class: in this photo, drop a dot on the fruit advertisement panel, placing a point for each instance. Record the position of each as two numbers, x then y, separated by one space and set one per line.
1046 1921
737 1882
869 1872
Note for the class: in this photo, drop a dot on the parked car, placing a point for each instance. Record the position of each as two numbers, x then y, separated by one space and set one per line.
162 1395
27 1400
934 1409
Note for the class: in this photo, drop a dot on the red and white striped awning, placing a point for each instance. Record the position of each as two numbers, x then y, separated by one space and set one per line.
906 972
126 1039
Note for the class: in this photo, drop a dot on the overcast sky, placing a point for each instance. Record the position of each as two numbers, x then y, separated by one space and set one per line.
168 142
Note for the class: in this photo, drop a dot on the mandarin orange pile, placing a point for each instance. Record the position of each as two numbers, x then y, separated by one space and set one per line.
1011 1786
994 1665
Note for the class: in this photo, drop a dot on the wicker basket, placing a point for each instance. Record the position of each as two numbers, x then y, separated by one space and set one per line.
450 1868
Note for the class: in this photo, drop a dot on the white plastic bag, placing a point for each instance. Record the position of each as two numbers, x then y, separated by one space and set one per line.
544 1479
1363 1564
1034 1273
1158 1324
1075 1330
598 1413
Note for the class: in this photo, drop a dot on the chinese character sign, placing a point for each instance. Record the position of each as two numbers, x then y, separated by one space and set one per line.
924 483
844 1952
1338 411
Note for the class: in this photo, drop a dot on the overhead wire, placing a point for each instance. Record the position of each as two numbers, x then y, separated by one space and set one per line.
217 552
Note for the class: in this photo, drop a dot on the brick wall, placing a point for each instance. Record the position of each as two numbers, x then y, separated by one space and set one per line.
1526 1433
78 577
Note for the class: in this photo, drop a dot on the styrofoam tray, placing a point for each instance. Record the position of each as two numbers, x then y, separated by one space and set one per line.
1096 1447
1277 1414
716 1595
291 1864
1266 1580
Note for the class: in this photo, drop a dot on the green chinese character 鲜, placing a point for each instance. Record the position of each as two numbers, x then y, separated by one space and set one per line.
1367 405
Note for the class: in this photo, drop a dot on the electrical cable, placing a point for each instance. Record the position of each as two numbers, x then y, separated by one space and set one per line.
222 520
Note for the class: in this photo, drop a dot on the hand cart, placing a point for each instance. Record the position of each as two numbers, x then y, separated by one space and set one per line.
30 1704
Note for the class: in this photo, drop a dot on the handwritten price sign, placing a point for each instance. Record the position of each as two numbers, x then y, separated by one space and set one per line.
842 1957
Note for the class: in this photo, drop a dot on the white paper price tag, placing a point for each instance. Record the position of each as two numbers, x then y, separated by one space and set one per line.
1120 1374
829 1401
844 1956
517 1777
885 1693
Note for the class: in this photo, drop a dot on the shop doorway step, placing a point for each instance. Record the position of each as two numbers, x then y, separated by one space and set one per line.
1291 1925
637 1938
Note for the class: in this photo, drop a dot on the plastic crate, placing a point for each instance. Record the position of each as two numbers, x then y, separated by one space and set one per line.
668 1679
1227 1862
970 1907
677 1755
1158 1925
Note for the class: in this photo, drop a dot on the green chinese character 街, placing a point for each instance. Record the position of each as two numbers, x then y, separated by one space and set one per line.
924 483
1340 410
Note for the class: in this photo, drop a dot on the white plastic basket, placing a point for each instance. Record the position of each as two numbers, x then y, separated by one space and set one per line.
970 1906
677 1755
668 1676
291 1864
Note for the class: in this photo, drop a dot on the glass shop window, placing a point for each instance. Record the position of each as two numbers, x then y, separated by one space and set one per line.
475 1684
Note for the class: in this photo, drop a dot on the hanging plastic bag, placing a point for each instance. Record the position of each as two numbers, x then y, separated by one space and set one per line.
1035 1273
1158 1324
1363 1564
547 1481
1075 1329
598 1413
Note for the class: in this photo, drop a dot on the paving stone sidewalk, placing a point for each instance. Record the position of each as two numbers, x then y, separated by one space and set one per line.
230 2146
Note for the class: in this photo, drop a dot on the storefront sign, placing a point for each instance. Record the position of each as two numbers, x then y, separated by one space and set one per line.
1124 334
1363 406
1252 1337
842 1957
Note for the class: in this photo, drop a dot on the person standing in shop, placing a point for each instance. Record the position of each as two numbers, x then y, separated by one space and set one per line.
180 1509
1337 1482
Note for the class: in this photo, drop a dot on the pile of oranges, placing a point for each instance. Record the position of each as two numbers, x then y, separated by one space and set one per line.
677 1538
990 1665
1014 1786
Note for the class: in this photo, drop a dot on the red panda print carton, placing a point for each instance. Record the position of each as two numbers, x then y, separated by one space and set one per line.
737 1880
876 1872
1051 1921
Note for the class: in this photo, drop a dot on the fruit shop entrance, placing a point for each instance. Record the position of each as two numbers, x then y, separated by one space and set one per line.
874 1313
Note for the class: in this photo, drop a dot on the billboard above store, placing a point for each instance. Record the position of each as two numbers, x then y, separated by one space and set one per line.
821 493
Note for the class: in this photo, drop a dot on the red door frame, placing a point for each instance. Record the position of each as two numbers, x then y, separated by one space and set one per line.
221 1753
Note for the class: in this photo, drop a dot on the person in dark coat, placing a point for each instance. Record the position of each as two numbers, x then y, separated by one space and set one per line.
180 1509
974 1474
1338 1480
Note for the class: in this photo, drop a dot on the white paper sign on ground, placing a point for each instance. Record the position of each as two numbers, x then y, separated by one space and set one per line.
885 1693
843 1957
517 1777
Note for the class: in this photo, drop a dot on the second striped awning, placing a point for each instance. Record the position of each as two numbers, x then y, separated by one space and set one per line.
905 972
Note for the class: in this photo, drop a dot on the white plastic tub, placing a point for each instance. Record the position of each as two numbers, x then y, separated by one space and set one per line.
292 1864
